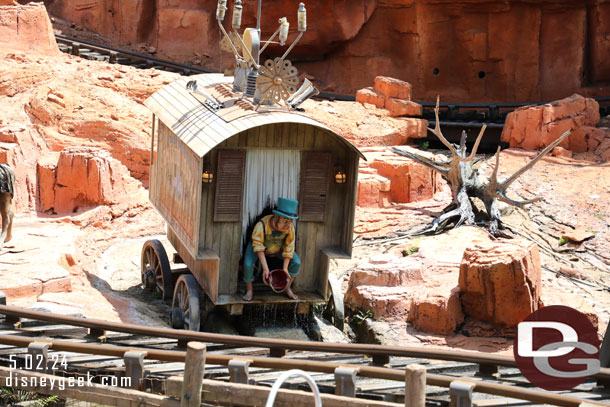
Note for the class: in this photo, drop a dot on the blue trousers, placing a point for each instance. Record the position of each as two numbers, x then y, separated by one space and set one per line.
251 258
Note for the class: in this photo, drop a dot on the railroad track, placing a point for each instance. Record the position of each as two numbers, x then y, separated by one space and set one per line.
462 115
106 350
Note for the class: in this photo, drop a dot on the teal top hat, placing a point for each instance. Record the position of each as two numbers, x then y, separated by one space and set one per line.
287 208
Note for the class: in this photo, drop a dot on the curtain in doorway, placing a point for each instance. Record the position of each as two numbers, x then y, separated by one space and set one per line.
270 174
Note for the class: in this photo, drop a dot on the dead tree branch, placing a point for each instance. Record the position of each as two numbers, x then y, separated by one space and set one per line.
463 177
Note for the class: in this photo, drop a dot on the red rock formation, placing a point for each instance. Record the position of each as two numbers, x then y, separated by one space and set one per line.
437 312
366 125
468 50
535 127
26 28
391 94
500 281
81 177
420 288
51 101
385 286
387 177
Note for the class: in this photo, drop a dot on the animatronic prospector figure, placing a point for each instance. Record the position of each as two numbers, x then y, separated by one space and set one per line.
273 236
7 191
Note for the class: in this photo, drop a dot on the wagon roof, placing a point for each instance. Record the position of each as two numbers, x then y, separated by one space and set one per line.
201 128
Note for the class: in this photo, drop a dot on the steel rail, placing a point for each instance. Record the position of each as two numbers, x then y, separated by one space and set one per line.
535 396
131 54
271 343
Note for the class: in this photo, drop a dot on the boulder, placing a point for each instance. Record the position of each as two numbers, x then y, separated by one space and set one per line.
384 285
373 191
399 107
371 96
420 288
81 177
391 94
26 28
437 312
535 127
561 152
387 178
500 281
393 88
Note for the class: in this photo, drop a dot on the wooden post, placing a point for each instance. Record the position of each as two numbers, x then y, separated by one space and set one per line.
193 375
415 386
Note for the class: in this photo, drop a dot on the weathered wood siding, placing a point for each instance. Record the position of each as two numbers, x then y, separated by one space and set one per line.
175 186
224 238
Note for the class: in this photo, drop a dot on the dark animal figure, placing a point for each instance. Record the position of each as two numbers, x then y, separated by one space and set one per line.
7 191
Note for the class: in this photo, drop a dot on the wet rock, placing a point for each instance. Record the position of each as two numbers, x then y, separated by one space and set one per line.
217 322
482 329
289 333
323 331
377 332
58 309
500 281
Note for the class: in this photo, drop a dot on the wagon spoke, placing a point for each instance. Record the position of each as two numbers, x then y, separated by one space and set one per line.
148 259
184 302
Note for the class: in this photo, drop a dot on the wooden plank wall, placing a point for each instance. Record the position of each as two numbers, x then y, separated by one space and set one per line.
175 186
225 239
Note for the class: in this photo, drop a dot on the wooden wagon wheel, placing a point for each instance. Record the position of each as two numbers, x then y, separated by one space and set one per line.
156 273
335 310
185 313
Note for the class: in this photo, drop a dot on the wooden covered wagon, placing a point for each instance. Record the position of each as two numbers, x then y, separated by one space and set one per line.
214 171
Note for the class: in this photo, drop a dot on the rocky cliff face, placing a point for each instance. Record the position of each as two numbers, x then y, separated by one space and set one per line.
468 50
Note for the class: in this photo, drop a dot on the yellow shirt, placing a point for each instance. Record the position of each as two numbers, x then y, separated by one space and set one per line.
271 241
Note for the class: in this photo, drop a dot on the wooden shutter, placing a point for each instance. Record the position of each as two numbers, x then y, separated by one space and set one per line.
229 185
315 179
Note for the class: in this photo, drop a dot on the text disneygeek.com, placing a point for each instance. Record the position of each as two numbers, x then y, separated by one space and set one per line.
19 367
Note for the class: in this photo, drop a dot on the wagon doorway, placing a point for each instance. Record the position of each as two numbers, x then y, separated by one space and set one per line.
270 174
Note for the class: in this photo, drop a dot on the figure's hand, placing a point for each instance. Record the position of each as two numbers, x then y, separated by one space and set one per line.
266 276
